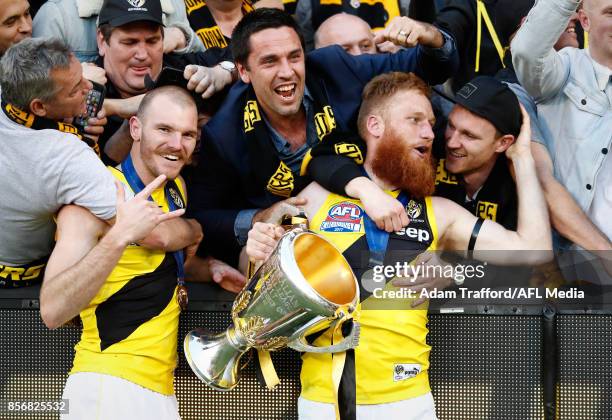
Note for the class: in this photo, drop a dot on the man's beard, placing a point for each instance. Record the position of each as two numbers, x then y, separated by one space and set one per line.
395 164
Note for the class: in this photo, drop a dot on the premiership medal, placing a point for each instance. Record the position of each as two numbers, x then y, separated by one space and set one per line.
181 296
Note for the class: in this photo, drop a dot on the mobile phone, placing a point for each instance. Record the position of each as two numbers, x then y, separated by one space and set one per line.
94 101
169 76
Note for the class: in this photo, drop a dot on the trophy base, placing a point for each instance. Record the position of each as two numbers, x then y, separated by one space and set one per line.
213 359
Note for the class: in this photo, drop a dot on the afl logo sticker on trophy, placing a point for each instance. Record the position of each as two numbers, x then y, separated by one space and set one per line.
305 286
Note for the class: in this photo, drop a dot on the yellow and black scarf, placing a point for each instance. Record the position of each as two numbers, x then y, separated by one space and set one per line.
272 174
34 122
204 25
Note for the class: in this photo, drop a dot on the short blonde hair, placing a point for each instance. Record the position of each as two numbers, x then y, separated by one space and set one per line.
381 89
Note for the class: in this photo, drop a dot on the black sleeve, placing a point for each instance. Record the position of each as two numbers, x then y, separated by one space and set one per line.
333 172
458 17
215 199
336 160
209 58
422 10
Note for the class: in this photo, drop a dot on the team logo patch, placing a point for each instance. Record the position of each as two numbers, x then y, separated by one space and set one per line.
136 3
251 115
176 198
349 150
403 371
324 122
487 210
414 209
343 217
442 175
281 183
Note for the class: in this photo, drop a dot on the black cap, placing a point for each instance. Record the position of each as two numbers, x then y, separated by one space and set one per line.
492 100
121 12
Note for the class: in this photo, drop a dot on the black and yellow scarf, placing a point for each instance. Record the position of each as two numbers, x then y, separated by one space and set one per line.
204 25
34 122
272 174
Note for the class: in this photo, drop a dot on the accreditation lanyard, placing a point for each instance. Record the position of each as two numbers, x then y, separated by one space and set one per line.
378 239
137 185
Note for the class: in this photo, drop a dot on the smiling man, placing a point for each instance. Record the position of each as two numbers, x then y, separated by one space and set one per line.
130 43
475 172
255 150
15 22
128 297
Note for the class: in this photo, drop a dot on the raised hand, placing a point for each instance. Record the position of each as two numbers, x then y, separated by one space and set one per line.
136 218
406 32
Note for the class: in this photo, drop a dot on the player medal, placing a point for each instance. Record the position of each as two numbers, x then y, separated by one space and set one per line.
182 296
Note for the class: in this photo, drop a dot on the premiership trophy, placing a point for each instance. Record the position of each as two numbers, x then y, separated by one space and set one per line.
305 286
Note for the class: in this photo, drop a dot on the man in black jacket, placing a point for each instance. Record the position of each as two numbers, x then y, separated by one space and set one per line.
294 112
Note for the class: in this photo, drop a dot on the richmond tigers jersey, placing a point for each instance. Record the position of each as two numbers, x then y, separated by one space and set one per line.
130 327
392 358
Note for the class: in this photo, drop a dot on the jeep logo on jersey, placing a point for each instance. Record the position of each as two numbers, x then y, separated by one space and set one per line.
343 217
421 235
136 3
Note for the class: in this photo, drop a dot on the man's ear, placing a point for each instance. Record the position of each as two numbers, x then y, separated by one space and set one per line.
243 73
38 108
135 128
101 43
583 17
375 125
504 142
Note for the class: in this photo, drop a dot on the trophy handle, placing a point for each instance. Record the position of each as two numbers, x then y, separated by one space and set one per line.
349 342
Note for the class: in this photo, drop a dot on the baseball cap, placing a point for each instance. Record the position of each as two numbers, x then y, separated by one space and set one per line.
121 12
492 100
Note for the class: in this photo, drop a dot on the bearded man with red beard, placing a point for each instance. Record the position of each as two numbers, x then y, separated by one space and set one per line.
386 375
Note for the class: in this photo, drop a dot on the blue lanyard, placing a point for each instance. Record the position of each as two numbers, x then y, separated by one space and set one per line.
378 239
137 185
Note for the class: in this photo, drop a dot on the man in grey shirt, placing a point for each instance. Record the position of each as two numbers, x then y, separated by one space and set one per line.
45 163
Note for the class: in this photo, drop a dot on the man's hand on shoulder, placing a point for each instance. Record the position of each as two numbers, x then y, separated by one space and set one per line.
387 212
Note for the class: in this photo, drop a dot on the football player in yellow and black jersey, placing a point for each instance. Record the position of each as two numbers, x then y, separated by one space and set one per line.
127 295
386 375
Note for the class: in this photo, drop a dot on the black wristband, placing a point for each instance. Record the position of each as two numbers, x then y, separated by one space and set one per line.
474 235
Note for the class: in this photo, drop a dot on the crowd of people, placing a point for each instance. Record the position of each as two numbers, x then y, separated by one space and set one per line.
453 125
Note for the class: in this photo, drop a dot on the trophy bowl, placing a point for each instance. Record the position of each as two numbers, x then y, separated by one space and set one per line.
305 286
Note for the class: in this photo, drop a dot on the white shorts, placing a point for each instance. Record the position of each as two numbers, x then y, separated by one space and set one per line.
95 396
418 408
